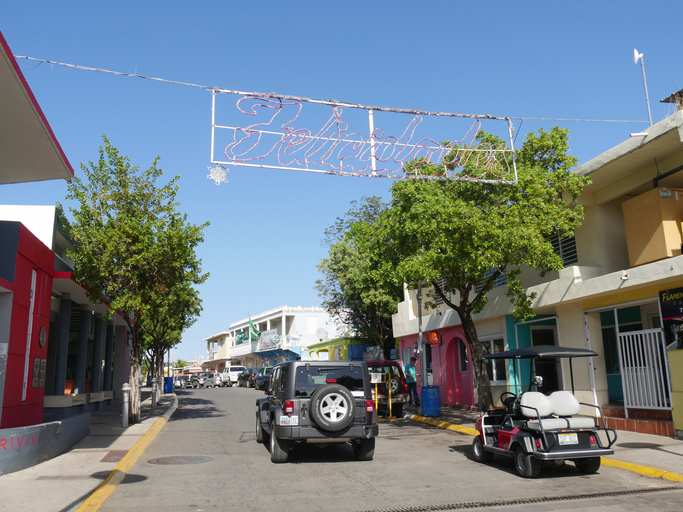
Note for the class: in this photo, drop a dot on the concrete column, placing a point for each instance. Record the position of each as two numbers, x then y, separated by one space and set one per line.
108 357
96 376
62 343
83 328
121 359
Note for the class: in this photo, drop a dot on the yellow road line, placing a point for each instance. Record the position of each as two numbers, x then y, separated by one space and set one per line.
104 490
605 461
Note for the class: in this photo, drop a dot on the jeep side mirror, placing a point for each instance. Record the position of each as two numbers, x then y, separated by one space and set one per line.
538 381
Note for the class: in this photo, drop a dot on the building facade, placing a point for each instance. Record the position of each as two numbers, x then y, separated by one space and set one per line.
280 334
622 278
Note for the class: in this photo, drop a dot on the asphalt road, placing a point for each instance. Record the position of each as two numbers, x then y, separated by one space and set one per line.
415 465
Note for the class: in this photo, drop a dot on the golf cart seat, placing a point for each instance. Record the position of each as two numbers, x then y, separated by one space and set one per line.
553 412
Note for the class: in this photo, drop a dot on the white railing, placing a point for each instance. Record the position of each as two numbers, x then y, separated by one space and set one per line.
244 348
644 370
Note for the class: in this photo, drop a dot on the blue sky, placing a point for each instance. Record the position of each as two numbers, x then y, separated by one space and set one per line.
524 60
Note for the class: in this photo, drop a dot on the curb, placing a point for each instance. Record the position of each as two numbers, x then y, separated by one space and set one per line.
104 490
606 461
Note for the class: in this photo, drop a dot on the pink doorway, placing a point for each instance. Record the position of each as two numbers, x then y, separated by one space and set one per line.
463 371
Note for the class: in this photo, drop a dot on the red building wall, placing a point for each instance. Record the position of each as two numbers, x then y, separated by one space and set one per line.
19 410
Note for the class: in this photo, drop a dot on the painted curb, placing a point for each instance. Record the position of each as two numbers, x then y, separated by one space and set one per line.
460 429
605 461
642 470
104 490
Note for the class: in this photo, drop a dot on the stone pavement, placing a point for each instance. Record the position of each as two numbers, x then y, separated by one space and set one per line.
82 478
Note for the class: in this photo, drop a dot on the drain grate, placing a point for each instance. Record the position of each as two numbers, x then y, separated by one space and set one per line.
181 459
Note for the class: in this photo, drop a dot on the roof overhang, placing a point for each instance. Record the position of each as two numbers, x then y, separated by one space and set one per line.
29 150
630 167
63 283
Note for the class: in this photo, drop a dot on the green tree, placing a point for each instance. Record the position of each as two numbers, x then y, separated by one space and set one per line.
460 236
134 250
351 289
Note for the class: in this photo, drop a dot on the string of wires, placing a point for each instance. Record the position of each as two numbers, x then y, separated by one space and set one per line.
310 100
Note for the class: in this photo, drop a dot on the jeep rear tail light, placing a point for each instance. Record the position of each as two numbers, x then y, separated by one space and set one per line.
289 407
592 439
369 406
331 381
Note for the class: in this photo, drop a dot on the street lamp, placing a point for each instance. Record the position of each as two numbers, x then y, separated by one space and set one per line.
636 57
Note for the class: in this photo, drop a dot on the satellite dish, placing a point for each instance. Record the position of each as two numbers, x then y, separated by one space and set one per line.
636 56
321 333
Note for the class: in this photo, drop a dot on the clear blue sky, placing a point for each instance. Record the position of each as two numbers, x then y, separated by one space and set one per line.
569 60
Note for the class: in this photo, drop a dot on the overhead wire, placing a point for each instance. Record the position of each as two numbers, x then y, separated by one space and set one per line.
311 100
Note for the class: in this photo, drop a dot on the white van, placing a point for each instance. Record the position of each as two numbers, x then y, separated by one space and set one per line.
230 374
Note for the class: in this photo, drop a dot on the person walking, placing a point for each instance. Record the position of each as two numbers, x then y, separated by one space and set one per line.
411 380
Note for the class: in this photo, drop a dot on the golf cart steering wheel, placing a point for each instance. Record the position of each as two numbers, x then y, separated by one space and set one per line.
508 399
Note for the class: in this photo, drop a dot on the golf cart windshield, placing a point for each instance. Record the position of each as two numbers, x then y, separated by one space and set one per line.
537 352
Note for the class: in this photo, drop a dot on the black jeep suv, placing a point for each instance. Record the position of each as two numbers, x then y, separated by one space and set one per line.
318 402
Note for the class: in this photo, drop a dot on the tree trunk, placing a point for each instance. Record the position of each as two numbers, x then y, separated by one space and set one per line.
134 382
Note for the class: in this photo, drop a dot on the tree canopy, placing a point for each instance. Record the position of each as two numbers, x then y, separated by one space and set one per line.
351 289
135 251
459 237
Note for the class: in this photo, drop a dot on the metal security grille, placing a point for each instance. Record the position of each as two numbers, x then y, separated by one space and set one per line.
565 248
644 370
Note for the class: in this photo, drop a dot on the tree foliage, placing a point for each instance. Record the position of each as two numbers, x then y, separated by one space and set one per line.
352 290
459 236
135 251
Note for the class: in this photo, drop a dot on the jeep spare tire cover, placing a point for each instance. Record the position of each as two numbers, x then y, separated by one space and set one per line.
332 407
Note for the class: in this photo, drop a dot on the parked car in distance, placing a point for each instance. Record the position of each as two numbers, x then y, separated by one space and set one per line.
318 402
197 379
230 374
214 380
181 381
262 378
393 378
246 378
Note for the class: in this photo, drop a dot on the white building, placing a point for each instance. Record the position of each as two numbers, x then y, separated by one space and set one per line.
280 334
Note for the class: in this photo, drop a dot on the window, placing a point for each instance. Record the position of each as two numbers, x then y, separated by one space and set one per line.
501 280
565 248
438 300
494 367
307 381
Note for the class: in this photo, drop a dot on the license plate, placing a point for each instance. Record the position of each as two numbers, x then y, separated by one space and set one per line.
569 438
289 420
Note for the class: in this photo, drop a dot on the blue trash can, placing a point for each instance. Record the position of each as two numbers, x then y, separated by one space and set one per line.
431 401
168 384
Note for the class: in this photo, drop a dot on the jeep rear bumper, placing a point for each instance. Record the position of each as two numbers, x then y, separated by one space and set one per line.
317 435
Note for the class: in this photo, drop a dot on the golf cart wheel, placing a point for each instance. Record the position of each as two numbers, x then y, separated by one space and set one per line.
478 452
527 466
588 466
363 449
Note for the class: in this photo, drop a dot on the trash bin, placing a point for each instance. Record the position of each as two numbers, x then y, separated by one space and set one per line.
168 384
431 401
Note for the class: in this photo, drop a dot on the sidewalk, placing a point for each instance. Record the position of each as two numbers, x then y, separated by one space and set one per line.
648 455
66 482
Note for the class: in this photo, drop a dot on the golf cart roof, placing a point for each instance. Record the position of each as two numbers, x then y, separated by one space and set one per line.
541 351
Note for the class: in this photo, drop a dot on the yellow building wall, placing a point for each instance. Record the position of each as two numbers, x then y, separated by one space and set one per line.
653 225
676 369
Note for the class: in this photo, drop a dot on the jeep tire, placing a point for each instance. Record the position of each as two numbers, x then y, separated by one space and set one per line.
279 448
363 449
332 407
